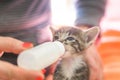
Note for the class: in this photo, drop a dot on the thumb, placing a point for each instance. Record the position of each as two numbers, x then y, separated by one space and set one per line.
11 72
8 44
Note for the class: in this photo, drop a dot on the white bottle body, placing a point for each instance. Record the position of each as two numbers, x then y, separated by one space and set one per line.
41 56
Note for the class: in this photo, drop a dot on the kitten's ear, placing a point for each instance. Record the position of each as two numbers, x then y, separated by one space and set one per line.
92 35
52 28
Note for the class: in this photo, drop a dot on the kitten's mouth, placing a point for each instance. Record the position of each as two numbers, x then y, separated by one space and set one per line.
66 54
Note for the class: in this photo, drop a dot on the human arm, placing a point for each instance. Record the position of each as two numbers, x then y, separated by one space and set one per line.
89 12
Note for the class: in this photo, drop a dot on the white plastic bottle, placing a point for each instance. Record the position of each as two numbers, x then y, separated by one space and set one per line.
41 56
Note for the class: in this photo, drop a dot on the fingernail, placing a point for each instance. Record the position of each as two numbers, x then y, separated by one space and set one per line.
39 78
43 71
27 44
1 52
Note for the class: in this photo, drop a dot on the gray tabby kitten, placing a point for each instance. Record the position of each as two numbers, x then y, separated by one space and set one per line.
73 65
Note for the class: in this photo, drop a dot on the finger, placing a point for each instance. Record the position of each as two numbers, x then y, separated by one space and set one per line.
99 64
49 77
51 71
11 72
29 75
9 44
96 56
92 67
94 62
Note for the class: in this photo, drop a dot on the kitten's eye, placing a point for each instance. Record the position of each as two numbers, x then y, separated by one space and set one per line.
70 38
56 37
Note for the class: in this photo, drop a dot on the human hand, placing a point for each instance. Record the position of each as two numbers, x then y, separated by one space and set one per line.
94 60
94 63
12 72
8 44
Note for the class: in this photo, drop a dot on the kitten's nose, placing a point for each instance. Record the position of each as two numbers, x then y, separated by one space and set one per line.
62 41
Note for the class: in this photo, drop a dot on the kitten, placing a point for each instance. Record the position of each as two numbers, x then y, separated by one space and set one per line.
73 65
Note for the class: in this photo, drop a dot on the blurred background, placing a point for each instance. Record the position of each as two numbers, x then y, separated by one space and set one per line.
63 13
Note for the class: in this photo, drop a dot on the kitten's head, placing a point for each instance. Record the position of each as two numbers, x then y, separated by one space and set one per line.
74 39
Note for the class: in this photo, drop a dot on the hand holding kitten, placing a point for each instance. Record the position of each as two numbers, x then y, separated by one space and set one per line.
94 60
